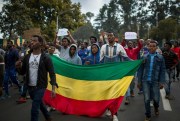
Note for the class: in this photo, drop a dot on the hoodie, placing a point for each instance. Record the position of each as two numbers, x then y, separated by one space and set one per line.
75 59
94 59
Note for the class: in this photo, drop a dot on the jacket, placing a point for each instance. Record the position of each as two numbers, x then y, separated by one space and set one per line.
10 58
75 59
94 58
158 69
45 66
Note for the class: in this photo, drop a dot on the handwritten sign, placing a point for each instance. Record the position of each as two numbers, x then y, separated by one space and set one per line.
62 32
130 35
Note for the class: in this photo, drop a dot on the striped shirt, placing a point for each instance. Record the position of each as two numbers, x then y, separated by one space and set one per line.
170 58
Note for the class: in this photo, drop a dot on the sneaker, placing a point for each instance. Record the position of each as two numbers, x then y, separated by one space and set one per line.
170 97
21 100
167 96
151 103
5 96
156 111
108 113
126 101
132 94
53 109
2 98
147 119
28 97
48 108
115 118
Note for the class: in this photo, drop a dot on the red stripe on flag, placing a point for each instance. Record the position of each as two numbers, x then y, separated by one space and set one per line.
81 107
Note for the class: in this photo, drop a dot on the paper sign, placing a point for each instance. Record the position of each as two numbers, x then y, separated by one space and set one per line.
62 32
130 35
22 54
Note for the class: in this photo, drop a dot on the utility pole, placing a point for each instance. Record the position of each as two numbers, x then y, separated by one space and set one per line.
148 31
57 26
157 19
138 29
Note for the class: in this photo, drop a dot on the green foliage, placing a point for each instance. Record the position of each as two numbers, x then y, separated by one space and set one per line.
42 14
118 16
89 15
14 18
137 16
167 29
107 19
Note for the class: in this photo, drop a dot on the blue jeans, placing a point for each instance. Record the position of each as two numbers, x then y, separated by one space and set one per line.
36 95
24 90
10 73
170 74
128 93
132 85
151 91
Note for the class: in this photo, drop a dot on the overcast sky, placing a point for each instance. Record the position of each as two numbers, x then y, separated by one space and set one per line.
91 5
86 5
1 4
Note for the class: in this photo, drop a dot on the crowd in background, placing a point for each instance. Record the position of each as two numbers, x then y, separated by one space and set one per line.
165 61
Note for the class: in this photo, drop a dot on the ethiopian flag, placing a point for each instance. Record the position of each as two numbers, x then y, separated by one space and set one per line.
90 90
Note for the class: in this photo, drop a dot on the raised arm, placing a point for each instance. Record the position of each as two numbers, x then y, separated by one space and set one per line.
123 43
139 46
71 38
56 42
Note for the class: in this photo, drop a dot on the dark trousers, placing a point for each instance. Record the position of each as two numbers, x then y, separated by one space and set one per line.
10 73
36 95
151 91
24 88
1 81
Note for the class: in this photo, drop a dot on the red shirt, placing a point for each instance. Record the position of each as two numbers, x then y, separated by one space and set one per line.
176 50
132 52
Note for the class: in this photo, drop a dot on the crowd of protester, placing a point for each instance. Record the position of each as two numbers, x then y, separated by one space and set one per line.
22 66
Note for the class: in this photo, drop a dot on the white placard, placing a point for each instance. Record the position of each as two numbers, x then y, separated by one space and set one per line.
22 54
130 35
62 32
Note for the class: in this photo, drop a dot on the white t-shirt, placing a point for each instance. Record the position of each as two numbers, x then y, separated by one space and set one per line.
33 69
64 53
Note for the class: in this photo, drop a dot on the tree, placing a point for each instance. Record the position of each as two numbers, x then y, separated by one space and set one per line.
128 13
44 13
101 18
175 10
89 15
14 18
84 32
107 19
167 29
136 15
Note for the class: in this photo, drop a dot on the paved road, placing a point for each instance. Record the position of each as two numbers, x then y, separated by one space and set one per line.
10 111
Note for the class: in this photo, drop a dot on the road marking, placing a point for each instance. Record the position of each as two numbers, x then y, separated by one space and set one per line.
166 104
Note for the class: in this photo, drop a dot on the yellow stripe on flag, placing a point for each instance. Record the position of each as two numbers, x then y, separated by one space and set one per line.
91 90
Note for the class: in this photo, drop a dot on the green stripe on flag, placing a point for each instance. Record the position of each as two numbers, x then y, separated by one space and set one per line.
109 71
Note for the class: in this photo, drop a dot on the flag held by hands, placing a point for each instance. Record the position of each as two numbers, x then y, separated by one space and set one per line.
90 90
